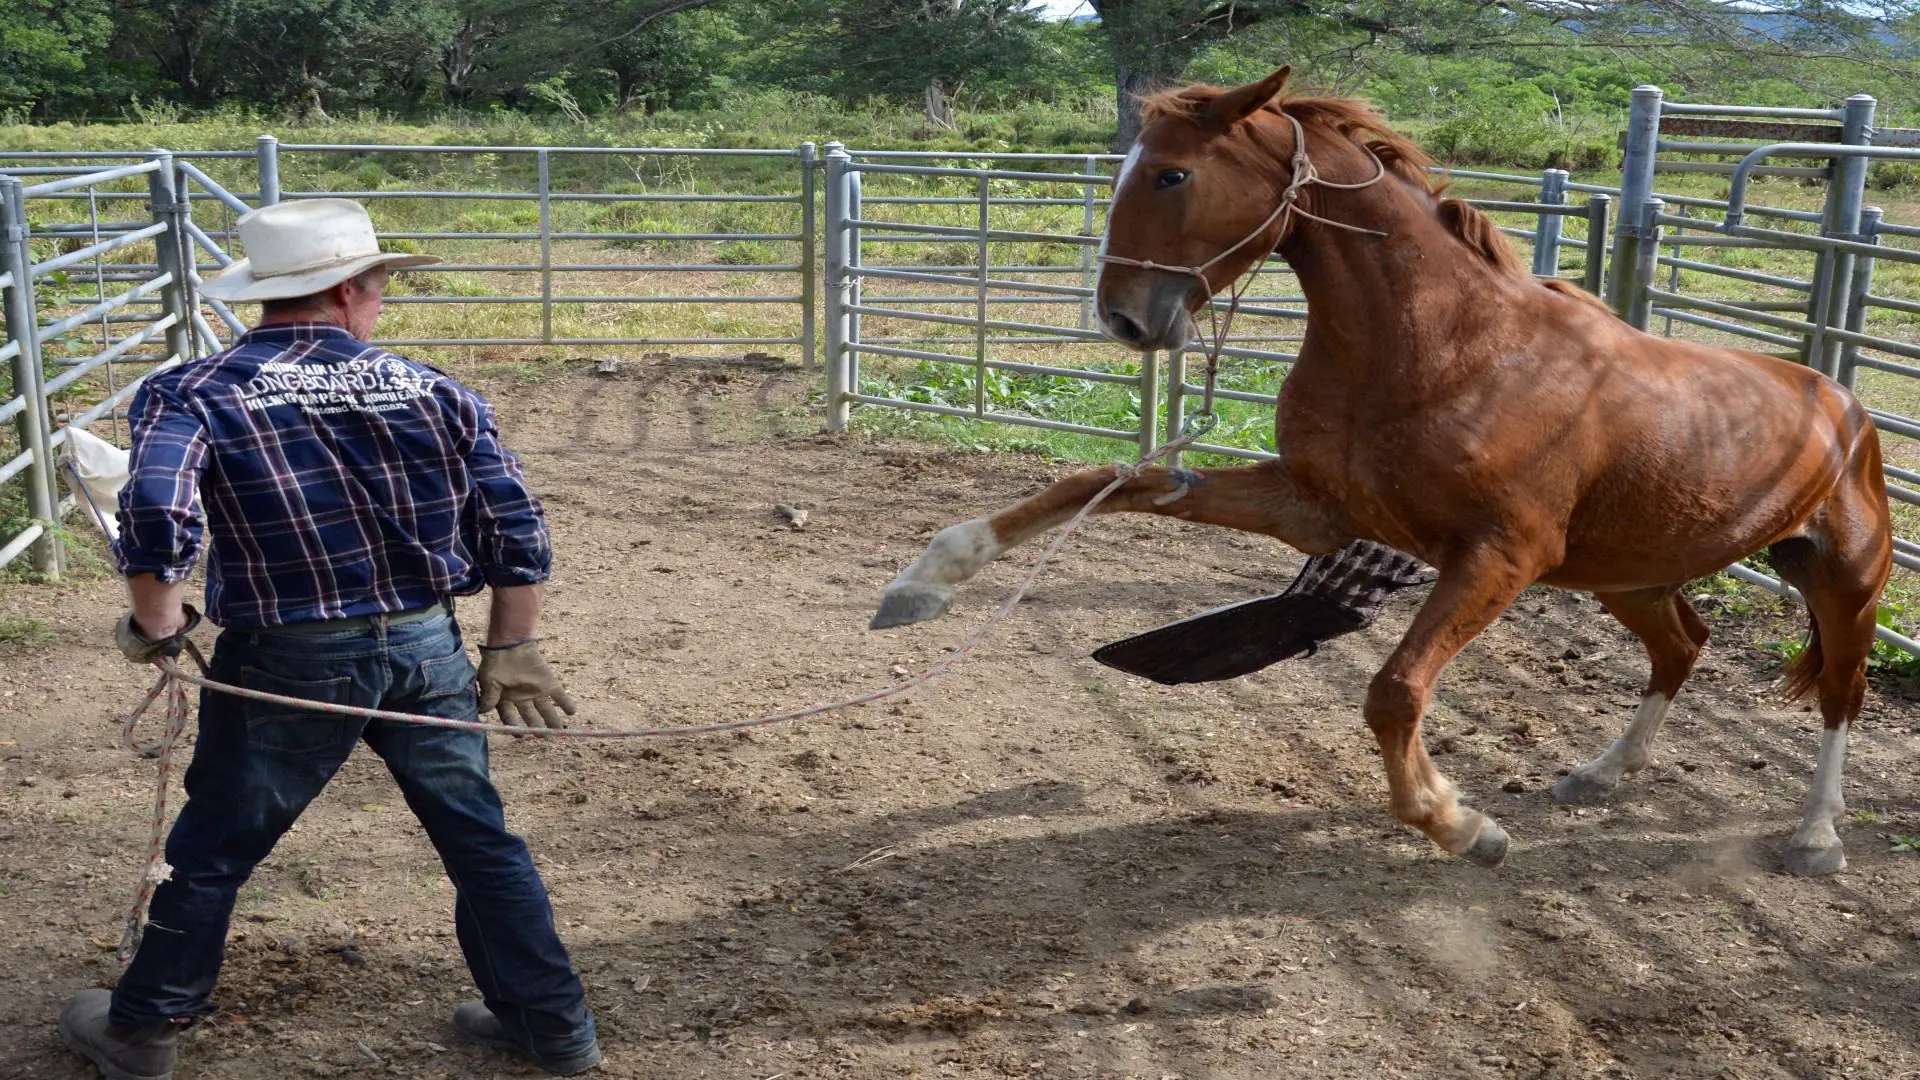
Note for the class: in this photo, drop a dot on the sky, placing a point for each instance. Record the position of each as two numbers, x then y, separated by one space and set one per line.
1063 9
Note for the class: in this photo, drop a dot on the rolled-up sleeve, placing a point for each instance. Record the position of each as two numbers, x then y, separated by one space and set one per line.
510 527
161 524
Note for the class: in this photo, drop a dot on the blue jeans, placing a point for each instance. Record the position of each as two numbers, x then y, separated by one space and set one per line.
257 766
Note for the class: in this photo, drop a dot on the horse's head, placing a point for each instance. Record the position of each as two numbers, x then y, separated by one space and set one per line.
1196 184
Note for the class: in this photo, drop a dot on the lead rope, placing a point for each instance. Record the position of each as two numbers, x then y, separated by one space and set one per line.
1305 175
173 682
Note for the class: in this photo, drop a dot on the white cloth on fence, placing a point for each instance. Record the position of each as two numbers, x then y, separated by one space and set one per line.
103 470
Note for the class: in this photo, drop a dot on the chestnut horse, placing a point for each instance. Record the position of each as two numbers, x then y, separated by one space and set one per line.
1505 430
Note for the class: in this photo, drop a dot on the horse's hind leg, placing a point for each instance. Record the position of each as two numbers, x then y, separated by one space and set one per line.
1840 562
1673 635
1842 597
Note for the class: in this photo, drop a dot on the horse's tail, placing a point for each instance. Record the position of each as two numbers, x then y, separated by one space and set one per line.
1802 673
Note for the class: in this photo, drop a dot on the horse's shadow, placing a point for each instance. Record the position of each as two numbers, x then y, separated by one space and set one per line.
876 932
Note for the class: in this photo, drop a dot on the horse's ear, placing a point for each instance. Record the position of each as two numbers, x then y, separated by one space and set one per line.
1236 105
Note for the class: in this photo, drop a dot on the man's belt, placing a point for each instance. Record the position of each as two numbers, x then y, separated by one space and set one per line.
360 622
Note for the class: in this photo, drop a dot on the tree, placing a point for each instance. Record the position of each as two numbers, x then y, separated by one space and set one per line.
292 53
1152 42
44 47
929 51
627 54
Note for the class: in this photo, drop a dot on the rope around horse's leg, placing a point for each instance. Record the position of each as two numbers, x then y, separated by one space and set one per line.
174 681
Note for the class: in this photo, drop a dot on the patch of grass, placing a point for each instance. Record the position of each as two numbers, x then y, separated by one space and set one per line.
743 253
24 633
1787 649
1904 844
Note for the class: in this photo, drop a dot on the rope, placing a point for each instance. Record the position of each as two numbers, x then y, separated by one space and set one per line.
173 682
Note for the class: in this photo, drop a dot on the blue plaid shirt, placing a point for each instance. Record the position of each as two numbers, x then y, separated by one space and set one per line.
337 479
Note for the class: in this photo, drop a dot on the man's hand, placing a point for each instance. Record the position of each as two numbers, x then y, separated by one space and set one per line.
168 638
516 679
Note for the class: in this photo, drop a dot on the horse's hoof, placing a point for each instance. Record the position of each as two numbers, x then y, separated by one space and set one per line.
1489 847
908 602
1574 789
1816 861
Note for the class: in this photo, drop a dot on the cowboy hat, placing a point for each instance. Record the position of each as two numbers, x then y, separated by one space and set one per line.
301 248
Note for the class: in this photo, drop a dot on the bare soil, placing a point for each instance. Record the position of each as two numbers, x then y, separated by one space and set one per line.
1036 867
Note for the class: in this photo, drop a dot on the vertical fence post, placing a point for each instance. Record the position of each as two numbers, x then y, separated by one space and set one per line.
1857 292
834 236
1636 187
34 424
1594 273
1149 401
1546 231
544 168
1086 253
1638 308
1176 400
980 311
856 284
1833 274
808 256
1673 272
266 157
172 255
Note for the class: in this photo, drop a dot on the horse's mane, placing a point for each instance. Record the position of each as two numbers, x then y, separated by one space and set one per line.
1361 123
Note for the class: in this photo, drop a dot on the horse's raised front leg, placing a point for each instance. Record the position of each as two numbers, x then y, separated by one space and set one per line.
1470 594
1251 498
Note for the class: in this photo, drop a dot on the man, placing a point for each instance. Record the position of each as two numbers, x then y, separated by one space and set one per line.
345 494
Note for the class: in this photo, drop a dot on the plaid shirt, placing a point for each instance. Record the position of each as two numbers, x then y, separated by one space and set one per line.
337 479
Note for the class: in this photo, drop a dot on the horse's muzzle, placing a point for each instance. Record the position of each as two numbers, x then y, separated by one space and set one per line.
1150 314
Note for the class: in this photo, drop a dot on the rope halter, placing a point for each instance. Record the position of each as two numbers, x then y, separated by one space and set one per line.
1304 176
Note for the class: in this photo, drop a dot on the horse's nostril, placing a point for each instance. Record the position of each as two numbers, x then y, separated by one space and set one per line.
1124 328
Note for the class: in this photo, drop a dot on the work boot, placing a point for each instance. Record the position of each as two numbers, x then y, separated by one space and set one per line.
143 1053
477 1023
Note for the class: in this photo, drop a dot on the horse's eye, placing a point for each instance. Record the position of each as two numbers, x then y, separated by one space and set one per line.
1169 178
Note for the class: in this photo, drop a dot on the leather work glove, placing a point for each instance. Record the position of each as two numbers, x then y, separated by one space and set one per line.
141 649
516 679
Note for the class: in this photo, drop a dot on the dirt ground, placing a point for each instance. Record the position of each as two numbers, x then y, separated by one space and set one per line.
1036 867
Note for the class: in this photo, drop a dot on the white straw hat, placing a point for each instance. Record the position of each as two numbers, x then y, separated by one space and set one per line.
301 248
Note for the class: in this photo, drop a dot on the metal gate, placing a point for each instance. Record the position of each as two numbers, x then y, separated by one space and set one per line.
90 341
